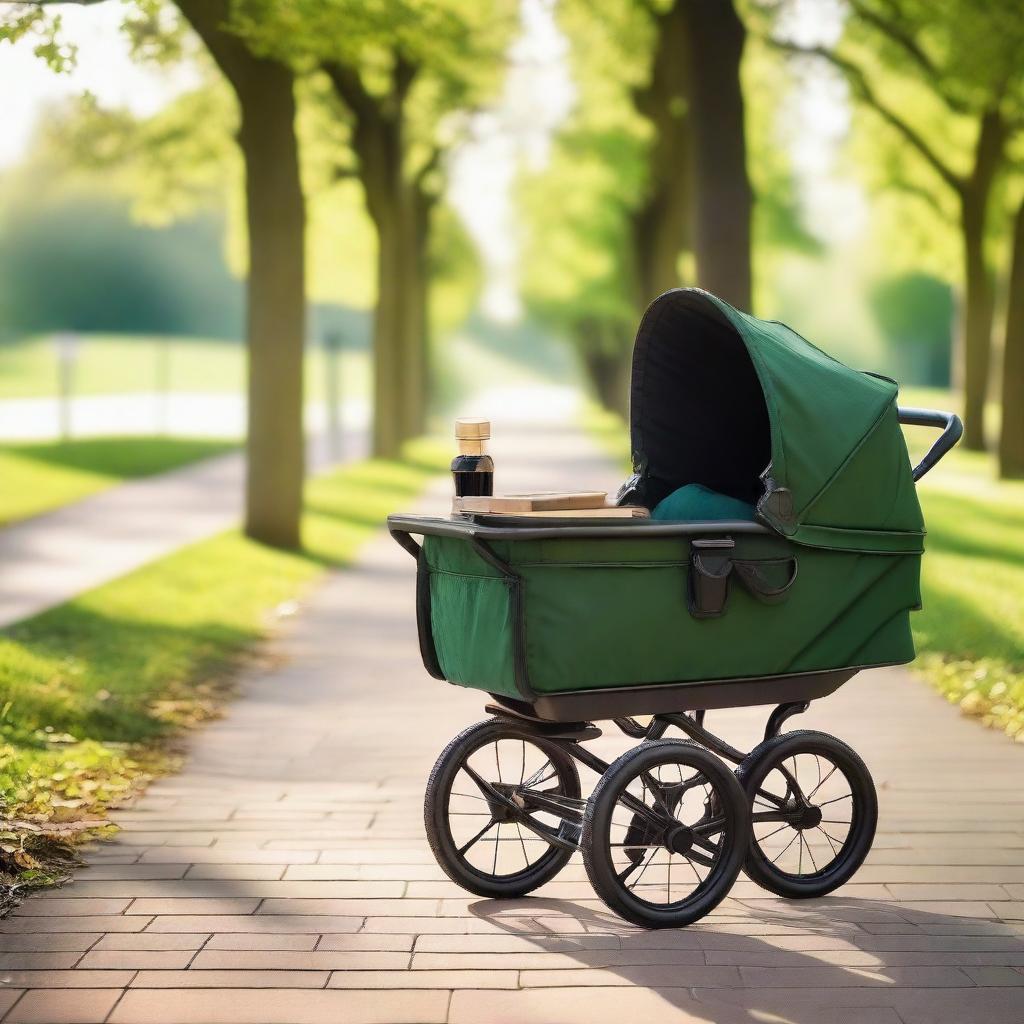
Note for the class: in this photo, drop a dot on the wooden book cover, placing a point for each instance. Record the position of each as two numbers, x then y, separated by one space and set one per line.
524 504
606 512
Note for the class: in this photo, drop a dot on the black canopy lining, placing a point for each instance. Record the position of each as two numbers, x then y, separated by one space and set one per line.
697 411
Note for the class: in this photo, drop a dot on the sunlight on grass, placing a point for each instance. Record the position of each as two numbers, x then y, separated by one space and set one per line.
122 364
38 476
88 690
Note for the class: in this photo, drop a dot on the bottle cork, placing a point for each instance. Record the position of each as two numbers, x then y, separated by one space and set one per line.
471 432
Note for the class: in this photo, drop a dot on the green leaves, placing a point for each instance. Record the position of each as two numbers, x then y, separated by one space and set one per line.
33 21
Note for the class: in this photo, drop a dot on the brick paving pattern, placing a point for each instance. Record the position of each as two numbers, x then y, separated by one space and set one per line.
284 875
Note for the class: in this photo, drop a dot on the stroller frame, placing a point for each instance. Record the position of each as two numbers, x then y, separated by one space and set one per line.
571 736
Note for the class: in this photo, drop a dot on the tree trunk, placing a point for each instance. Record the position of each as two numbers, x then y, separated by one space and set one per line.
977 322
388 434
722 197
659 229
416 340
399 343
400 357
661 225
979 301
276 287
1011 436
606 366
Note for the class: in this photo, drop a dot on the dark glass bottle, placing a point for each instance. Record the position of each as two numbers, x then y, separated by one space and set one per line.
473 468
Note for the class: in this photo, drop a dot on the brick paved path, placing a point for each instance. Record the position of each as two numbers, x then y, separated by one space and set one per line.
283 876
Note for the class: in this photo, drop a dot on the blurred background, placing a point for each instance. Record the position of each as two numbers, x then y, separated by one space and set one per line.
316 228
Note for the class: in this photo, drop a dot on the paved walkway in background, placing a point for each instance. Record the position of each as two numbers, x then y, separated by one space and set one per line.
284 876
180 413
50 558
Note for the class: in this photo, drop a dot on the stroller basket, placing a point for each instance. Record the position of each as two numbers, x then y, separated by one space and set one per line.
593 622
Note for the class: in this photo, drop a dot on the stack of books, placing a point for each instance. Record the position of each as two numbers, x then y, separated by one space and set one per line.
549 504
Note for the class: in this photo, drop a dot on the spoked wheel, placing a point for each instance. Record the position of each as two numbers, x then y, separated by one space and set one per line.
665 833
503 809
813 812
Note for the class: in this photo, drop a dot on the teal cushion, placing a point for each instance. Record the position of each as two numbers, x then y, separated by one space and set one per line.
694 502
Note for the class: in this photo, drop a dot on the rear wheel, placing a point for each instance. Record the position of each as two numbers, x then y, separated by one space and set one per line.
665 833
502 809
813 813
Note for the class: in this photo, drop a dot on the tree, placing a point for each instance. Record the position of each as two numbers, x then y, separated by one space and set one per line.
687 96
660 102
965 56
276 221
275 214
578 256
399 71
168 281
661 219
1011 437
722 197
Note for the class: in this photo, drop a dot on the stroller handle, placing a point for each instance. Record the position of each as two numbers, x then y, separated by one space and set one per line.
948 422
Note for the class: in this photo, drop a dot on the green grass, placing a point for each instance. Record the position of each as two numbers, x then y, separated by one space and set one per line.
970 633
38 476
121 364
90 691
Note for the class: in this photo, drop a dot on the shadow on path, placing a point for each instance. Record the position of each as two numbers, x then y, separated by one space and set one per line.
827 960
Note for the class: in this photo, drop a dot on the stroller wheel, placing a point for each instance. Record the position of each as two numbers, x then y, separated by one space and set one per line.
665 833
502 809
813 813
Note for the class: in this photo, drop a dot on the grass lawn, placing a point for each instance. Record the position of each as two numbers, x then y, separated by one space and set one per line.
970 633
38 476
122 364
90 691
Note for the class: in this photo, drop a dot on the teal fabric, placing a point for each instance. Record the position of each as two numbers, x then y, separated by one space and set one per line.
696 503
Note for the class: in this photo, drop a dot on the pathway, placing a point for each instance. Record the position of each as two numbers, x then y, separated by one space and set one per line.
178 413
50 558
284 876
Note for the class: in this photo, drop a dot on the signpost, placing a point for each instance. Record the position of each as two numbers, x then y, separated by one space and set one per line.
332 351
68 345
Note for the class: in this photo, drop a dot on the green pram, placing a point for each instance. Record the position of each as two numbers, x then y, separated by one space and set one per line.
569 622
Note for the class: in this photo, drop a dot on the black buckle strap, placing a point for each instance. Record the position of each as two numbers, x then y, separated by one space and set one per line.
712 564
710 567
767 579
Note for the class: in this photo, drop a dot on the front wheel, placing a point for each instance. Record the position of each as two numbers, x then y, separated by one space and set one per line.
665 833
502 809
813 813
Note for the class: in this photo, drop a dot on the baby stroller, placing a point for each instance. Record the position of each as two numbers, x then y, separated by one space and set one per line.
570 622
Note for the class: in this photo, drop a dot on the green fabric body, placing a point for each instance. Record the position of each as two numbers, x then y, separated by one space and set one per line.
613 613
838 452
695 503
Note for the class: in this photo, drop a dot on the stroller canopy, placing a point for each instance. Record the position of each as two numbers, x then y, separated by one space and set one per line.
748 408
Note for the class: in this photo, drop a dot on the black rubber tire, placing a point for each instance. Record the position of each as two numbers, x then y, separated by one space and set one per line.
864 815
436 820
597 854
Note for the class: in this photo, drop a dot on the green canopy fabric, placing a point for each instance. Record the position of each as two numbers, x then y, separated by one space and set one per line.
749 408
